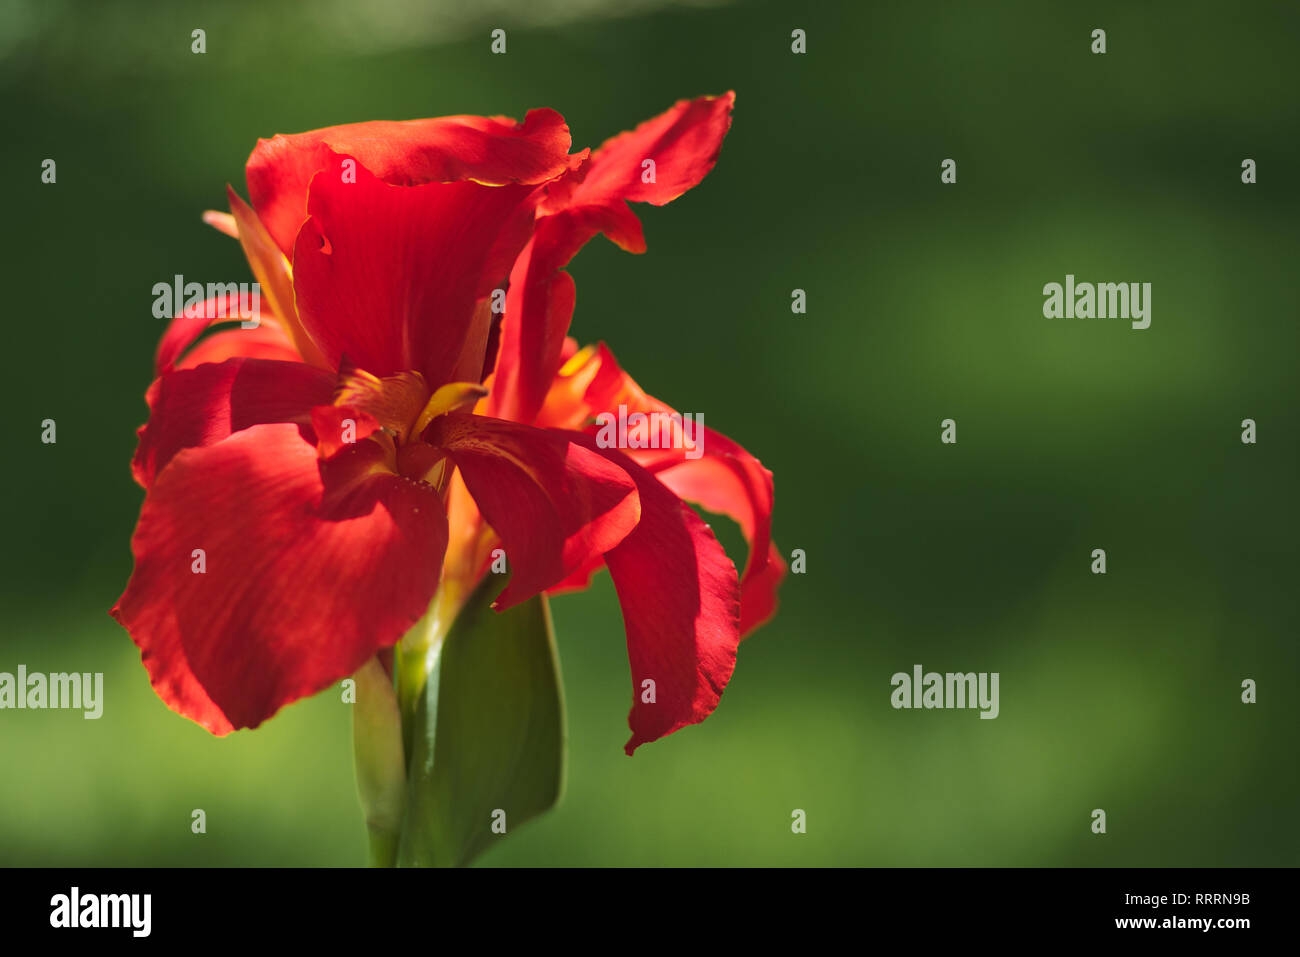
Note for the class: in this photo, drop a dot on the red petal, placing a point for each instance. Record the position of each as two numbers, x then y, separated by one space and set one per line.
729 481
274 274
554 503
539 307
188 325
681 603
724 478
493 151
297 594
267 341
579 580
201 406
389 276
331 424
684 143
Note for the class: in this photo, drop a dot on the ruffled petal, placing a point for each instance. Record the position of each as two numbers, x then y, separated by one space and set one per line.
493 151
684 143
719 475
307 570
539 308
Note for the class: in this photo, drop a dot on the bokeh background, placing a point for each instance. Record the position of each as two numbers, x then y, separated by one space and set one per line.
1119 692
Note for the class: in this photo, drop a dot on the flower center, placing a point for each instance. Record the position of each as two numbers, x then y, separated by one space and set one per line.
394 411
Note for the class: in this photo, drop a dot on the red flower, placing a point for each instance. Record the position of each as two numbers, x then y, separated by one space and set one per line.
306 479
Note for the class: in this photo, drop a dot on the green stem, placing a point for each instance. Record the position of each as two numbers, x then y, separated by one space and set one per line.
379 761
383 846
384 722
416 654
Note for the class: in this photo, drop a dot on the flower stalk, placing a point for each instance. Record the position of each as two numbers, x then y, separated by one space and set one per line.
385 719
416 656
380 761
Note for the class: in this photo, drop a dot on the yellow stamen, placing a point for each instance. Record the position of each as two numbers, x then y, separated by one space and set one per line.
447 398
577 361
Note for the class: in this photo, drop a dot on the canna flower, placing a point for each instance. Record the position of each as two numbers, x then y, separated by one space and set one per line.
314 484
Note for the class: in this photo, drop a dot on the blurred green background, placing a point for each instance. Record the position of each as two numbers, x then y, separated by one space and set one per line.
1119 692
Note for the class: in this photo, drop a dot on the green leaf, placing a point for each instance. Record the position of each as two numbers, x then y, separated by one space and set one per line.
488 742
